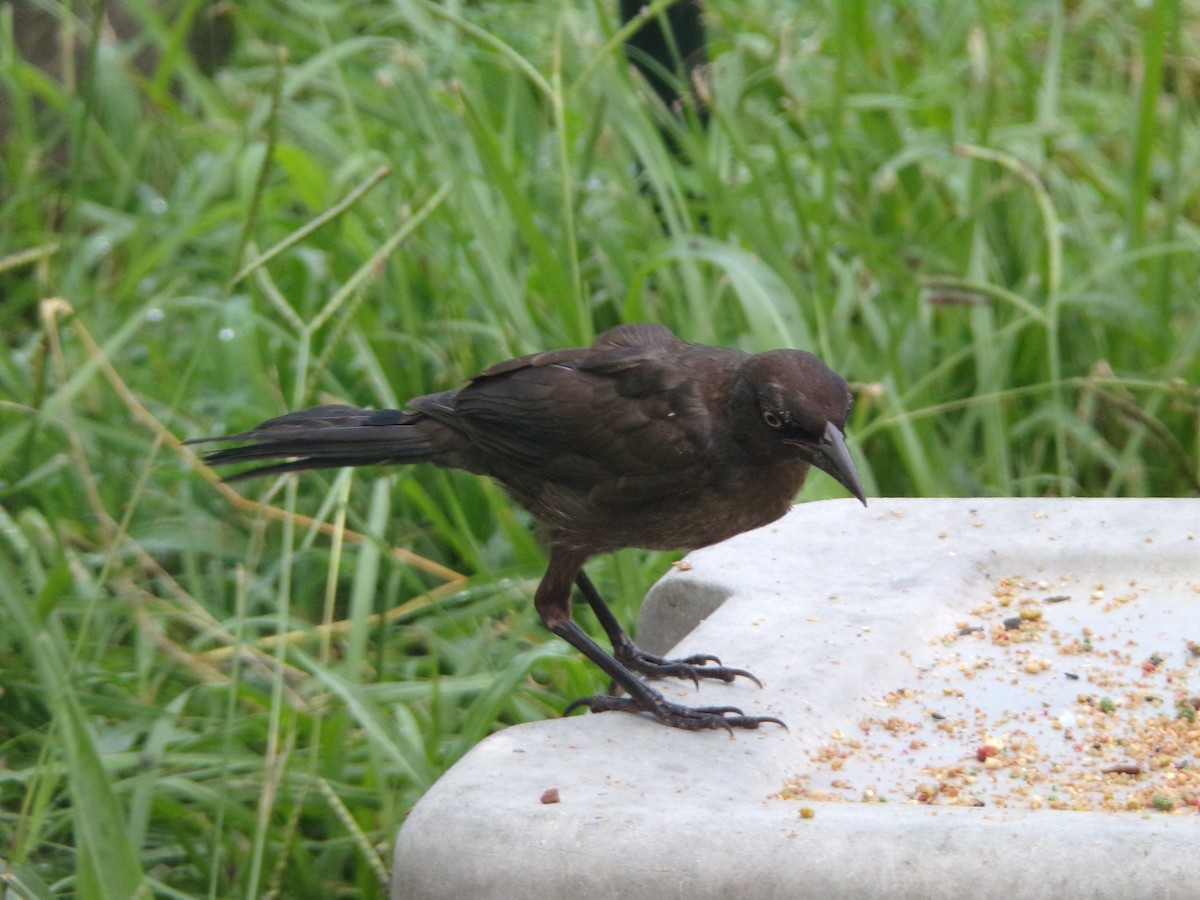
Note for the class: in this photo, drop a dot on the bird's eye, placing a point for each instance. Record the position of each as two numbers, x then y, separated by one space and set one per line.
772 420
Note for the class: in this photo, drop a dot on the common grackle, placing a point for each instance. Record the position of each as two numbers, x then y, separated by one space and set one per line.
641 440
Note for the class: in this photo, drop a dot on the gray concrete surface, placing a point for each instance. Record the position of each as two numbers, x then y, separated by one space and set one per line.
852 620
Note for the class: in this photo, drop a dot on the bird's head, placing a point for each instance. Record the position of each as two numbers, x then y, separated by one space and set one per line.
789 403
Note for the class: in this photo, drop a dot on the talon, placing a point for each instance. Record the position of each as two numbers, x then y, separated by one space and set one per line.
720 710
744 674
694 667
700 659
673 714
577 703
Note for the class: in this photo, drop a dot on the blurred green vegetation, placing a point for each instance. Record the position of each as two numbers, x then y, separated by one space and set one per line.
983 214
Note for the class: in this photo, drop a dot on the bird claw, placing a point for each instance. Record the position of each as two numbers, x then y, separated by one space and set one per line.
688 718
693 667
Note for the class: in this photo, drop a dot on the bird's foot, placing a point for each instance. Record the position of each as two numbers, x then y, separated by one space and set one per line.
689 718
691 667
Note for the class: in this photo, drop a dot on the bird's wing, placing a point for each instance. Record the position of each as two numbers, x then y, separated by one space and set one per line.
646 334
624 341
624 420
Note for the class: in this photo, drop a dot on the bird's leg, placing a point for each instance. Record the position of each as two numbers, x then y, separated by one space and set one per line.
553 600
629 654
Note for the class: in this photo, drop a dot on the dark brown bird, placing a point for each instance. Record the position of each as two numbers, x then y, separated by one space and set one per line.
641 440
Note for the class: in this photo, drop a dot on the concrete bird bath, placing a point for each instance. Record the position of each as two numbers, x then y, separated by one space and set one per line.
986 698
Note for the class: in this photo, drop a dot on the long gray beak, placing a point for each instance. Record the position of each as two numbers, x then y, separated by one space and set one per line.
832 457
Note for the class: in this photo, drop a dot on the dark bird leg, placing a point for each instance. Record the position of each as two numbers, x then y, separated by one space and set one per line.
631 655
553 601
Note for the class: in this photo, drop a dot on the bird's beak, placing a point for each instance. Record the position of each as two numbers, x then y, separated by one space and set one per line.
832 457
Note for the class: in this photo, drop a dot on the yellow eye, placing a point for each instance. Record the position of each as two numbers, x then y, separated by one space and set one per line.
772 420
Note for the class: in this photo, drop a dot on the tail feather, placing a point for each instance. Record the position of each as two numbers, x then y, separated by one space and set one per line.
327 437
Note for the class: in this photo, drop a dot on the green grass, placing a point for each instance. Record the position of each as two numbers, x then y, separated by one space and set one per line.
983 214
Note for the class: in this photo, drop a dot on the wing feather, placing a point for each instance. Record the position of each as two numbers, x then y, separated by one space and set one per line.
621 421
